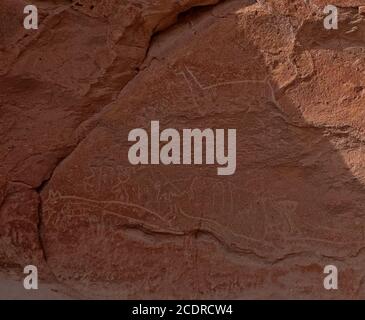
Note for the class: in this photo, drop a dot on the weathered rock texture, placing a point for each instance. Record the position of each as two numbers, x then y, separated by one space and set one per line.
71 203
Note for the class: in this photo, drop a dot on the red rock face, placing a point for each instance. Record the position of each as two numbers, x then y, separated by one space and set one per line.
72 204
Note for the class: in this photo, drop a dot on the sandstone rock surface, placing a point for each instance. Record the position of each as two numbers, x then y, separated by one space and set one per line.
71 203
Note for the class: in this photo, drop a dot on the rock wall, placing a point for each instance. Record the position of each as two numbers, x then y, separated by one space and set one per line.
72 204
